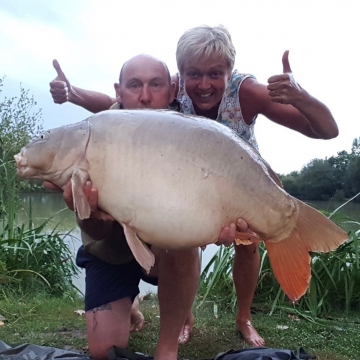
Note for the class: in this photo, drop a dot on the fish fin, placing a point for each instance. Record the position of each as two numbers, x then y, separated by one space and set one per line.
316 231
243 238
290 259
81 204
141 252
290 262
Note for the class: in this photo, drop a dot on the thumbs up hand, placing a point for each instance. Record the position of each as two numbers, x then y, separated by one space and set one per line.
60 87
283 88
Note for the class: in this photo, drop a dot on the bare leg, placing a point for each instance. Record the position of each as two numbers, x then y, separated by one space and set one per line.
178 276
245 275
108 325
137 318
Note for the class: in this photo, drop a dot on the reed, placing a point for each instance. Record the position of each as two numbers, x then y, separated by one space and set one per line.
30 257
334 285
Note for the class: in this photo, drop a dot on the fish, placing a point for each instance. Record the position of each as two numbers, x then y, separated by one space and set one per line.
174 181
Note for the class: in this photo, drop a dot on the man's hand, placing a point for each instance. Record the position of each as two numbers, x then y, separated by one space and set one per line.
60 87
283 88
91 195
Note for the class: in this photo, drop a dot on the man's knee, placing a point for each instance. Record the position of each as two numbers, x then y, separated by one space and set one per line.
107 326
98 351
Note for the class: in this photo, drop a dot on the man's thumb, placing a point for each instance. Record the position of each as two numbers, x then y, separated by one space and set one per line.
60 74
285 61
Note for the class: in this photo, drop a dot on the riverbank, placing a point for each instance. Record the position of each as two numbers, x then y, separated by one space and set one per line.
54 322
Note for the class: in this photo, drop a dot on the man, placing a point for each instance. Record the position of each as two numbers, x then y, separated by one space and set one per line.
112 287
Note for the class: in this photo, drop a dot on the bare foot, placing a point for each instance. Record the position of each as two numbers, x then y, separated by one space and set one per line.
137 318
137 321
249 333
185 332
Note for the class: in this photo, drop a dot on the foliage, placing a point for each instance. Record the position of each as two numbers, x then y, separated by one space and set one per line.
315 185
335 282
352 176
339 195
18 125
30 258
323 179
33 260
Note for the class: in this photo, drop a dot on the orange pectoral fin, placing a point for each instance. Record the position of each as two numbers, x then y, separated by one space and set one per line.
243 238
290 262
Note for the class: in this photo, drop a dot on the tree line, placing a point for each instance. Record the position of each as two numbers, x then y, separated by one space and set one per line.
336 177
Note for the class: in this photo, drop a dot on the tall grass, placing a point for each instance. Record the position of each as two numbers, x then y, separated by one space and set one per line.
30 257
334 285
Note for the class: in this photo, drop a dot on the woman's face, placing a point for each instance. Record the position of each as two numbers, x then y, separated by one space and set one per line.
205 80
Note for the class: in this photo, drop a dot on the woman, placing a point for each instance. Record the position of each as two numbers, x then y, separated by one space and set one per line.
207 85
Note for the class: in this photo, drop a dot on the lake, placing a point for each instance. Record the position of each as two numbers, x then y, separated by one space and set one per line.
45 205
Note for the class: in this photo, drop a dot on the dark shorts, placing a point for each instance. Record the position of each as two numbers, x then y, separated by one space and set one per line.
106 282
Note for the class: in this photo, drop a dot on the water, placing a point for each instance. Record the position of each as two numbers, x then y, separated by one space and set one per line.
45 205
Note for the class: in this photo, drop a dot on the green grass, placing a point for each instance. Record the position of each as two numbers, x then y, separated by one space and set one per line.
31 258
53 322
334 285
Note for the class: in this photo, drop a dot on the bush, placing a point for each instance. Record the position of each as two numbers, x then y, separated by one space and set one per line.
30 258
339 195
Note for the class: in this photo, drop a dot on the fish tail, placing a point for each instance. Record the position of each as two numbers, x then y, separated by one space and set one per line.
290 259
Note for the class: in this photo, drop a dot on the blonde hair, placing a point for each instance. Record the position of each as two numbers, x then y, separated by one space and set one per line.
205 40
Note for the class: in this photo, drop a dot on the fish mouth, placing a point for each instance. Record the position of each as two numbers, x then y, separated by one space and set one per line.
21 164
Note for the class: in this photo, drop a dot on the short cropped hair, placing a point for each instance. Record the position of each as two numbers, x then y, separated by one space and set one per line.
205 40
165 66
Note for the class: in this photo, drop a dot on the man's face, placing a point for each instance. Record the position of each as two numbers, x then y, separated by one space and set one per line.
145 85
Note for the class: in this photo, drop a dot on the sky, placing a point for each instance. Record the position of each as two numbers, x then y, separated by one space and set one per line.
91 39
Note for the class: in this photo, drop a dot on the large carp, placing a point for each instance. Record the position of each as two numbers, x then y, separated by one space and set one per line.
174 181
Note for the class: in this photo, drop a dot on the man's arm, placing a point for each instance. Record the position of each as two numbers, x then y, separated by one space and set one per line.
62 91
287 103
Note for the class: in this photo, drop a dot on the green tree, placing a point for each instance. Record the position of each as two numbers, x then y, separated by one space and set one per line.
352 178
355 149
18 122
319 180
291 183
341 161
18 125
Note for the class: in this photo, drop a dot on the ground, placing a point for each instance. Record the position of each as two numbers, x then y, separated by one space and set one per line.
54 322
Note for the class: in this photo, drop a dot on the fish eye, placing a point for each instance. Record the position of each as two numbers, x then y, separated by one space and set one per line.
43 136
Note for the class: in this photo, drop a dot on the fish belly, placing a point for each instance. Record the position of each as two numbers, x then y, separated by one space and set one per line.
177 184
